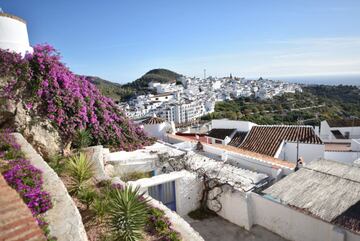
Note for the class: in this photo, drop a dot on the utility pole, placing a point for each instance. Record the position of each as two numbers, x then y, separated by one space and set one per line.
297 150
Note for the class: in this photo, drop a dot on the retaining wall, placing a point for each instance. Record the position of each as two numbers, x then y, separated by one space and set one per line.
64 219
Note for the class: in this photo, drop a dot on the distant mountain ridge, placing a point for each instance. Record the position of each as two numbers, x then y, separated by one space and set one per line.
124 92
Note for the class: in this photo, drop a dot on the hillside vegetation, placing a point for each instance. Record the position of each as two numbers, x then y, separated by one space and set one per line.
156 75
124 92
316 103
112 90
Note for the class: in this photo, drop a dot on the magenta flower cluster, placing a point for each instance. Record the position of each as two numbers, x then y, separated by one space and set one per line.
158 224
70 101
7 142
118 186
27 181
23 177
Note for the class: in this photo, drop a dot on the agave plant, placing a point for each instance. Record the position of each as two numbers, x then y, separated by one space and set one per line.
80 170
127 213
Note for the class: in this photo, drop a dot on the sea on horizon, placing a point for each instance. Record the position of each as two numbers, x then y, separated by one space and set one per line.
325 80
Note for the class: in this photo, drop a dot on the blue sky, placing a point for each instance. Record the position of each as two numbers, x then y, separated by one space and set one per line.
121 40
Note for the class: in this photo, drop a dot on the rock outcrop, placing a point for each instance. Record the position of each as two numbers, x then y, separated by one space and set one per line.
39 132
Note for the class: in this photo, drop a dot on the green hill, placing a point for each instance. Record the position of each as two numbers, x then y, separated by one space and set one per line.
124 92
156 75
112 90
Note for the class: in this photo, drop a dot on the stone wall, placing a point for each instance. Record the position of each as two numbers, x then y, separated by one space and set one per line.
64 219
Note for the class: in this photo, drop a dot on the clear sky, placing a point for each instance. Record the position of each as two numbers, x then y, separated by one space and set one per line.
120 40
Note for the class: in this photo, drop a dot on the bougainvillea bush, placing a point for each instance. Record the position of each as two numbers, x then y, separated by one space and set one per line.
158 224
70 101
23 177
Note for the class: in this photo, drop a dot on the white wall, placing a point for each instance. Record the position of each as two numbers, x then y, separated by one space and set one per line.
325 131
354 131
188 189
294 225
157 130
235 208
121 169
232 124
308 152
188 193
342 156
13 35
355 145
245 162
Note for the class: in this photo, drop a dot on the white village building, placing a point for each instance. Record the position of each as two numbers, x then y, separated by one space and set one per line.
342 139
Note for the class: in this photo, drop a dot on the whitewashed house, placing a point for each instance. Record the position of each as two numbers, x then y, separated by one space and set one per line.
285 142
342 139
340 130
155 127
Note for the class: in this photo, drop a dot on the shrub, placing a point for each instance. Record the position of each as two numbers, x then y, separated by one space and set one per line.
9 149
82 139
132 176
87 196
158 224
100 207
57 164
50 90
80 170
127 213
201 214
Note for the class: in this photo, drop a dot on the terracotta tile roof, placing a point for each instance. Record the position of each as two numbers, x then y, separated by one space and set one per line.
267 139
344 123
268 159
192 136
220 133
338 147
153 121
16 220
238 138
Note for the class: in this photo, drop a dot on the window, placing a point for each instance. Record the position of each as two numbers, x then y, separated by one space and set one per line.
218 141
